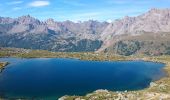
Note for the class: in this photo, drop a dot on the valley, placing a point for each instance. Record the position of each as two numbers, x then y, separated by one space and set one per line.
145 37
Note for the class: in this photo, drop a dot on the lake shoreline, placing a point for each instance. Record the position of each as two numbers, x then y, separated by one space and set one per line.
165 81
160 87
3 65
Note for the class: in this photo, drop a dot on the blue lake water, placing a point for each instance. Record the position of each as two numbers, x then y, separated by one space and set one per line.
50 78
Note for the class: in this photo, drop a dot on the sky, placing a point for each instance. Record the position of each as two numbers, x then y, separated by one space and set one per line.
79 10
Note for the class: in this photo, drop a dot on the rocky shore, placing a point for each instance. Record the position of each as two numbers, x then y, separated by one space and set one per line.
2 65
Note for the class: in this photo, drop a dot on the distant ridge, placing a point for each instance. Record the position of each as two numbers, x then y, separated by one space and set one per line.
68 36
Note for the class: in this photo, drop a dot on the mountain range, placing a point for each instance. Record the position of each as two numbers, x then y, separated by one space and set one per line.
148 33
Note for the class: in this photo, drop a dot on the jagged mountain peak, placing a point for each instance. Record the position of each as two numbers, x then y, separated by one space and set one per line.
158 10
145 22
153 21
27 19
26 16
50 20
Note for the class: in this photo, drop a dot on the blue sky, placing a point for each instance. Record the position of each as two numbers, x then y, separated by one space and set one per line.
79 10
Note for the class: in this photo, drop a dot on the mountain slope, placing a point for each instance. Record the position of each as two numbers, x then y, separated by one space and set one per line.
126 36
28 32
154 21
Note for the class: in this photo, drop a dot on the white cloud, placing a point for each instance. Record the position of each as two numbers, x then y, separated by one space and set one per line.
39 3
14 2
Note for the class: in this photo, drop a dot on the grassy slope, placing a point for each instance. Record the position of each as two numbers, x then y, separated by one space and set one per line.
150 43
9 52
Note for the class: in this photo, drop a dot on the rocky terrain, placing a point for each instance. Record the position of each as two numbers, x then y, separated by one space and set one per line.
28 32
145 29
108 95
146 43
126 36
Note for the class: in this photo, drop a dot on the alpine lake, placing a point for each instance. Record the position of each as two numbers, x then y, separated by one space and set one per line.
52 78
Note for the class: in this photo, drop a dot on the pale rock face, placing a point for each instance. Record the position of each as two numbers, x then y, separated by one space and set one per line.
7 20
39 29
19 28
28 20
56 26
154 21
